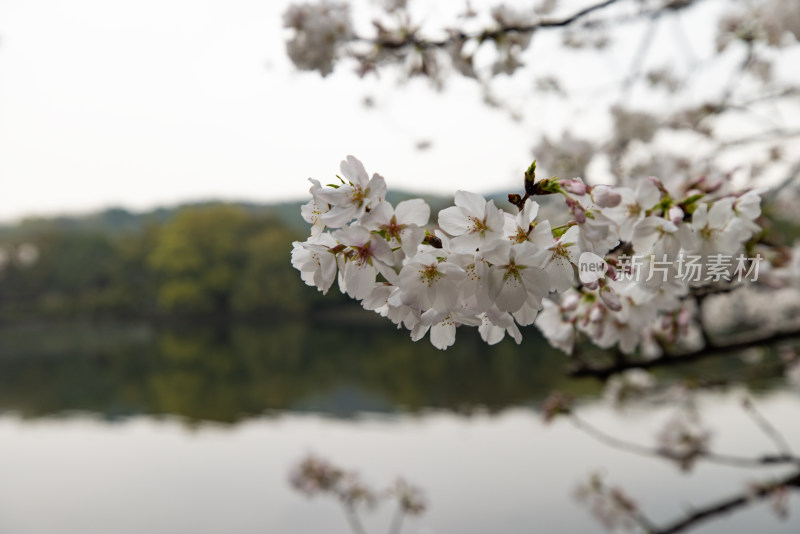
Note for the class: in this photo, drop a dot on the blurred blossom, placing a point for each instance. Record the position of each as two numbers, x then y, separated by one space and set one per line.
319 30
567 157
684 439
409 498
611 506
779 502
555 405
314 475
27 254
631 385
770 22
793 375
630 125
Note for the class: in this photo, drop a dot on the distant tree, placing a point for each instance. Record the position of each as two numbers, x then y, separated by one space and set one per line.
198 259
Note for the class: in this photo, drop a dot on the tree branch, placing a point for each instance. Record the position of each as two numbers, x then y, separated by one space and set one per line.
730 504
412 41
604 372
642 450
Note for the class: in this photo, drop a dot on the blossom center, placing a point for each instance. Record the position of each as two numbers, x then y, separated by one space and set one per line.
429 275
476 225
394 229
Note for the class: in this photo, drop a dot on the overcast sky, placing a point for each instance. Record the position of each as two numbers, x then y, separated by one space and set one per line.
138 103
147 102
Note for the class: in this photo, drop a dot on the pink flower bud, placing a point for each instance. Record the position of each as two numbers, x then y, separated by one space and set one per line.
605 196
684 318
570 302
577 210
574 186
676 215
657 183
610 299
592 285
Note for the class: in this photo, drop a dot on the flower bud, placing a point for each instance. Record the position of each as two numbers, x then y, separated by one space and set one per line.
684 318
676 215
577 210
574 186
516 200
610 299
605 196
570 302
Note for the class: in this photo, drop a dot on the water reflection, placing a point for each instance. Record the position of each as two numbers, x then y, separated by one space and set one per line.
227 373
162 392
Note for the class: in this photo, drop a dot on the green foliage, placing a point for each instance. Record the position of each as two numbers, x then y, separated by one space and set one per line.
217 260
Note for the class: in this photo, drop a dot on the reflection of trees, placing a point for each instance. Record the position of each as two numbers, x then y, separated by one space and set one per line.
226 373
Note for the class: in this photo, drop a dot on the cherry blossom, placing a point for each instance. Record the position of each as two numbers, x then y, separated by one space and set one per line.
499 271
353 198
473 221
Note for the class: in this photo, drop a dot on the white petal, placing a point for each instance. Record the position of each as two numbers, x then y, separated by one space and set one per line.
453 221
410 238
443 334
379 215
354 171
541 235
536 281
700 217
647 194
352 236
474 203
495 218
415 211
491 334
529 212
359 279
376 190
511 296
561 275
526 314
497 252
720 213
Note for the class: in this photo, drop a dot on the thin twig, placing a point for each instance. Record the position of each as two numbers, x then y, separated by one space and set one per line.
730 504
353 520
643 450
397 521
768 428
412 40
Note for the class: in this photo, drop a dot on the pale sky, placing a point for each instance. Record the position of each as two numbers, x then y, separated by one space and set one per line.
138 103
148 102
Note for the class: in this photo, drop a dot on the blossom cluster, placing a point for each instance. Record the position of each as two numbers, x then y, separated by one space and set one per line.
319 30
484 267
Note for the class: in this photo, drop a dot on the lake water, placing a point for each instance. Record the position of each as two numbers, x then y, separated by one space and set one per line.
130 430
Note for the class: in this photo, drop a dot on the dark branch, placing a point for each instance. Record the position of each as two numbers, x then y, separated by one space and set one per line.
413 41
603 373
731 504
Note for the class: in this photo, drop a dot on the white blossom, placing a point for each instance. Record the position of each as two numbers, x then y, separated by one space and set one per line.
473 221
316 262
353 198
